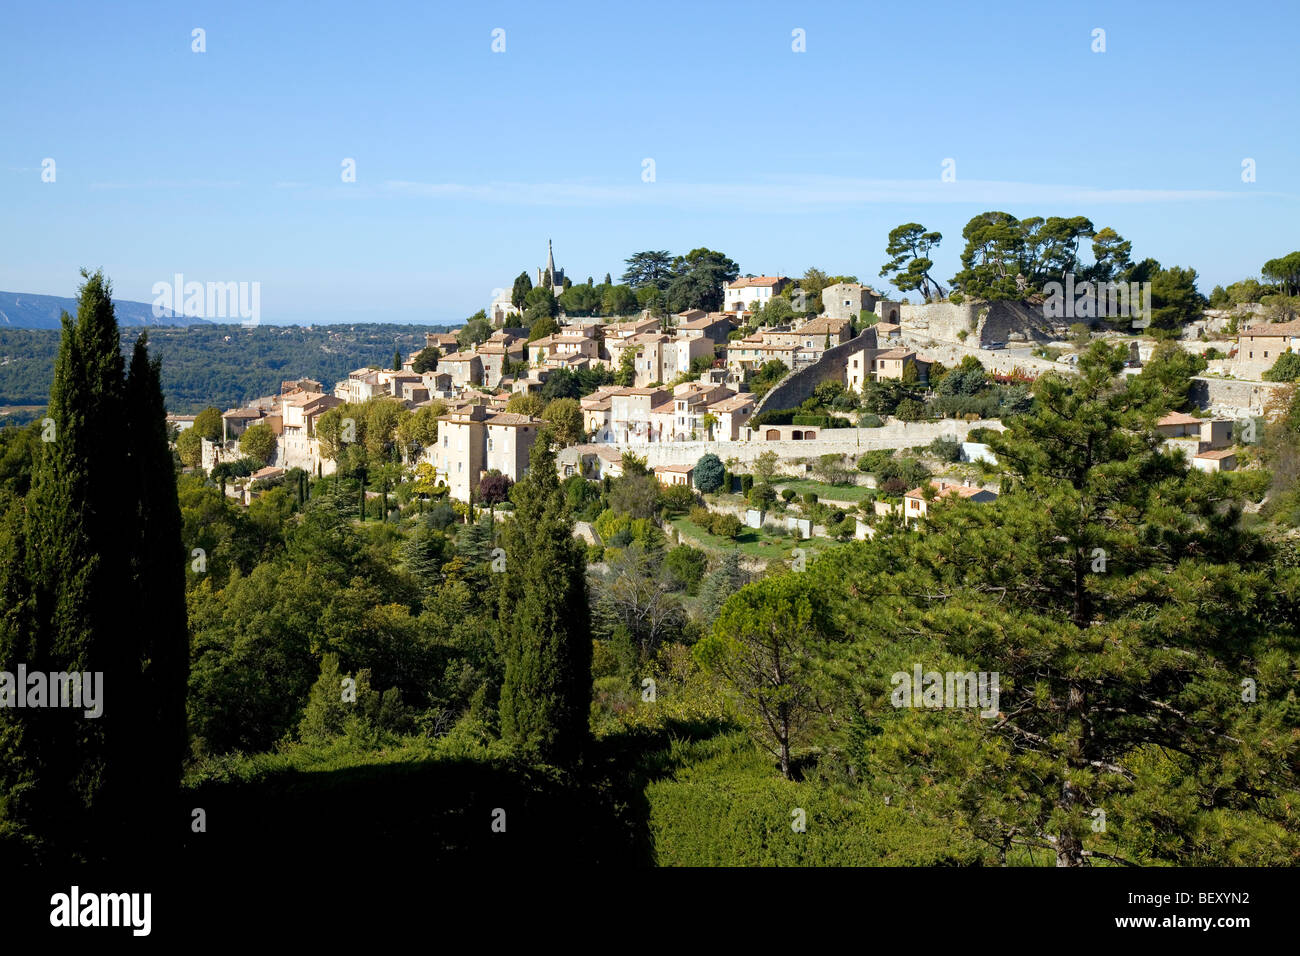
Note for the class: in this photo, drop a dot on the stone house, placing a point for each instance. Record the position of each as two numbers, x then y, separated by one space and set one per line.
472 442
670 475
915 504
1259 346
749 293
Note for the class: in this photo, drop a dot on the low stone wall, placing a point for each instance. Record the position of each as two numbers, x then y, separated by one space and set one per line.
837 441
998 360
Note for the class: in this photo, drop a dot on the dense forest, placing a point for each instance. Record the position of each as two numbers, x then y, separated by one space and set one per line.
220 365
422 675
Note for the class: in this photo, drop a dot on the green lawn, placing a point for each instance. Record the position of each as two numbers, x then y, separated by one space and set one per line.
758 544
823 491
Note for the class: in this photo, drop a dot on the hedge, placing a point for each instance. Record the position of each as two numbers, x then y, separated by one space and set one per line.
773 416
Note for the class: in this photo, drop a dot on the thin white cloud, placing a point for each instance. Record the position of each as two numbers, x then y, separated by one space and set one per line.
798 193
169 184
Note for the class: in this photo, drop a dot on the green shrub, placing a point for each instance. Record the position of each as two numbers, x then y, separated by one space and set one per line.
687 566
870 420
761 496
873 461
910 410
907 470
945 449
726 526
730 809
773 416
788 494
676 499
1285 369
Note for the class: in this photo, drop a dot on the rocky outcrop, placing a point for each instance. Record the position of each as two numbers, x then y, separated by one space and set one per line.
982 322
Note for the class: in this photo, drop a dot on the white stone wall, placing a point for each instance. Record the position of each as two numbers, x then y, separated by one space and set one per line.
836 441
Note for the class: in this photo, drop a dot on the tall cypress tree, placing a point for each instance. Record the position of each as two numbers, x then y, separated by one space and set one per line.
544 621
100 590
161 650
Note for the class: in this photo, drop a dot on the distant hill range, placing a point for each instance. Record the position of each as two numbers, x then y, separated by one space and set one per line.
21 310
222 365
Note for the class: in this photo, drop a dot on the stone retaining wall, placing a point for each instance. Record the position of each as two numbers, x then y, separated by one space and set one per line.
1233 397
838 441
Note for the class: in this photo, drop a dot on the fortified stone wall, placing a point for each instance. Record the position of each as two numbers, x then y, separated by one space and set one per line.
797 387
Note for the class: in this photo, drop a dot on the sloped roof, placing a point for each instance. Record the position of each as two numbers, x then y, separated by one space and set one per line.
1282 329
944 488
512 418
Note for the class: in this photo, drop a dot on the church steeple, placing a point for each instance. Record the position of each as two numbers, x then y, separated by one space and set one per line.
548 276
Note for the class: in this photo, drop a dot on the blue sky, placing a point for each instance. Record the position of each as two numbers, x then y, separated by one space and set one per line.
225 165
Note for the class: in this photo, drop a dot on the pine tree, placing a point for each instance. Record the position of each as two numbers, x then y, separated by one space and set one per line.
1126 611
424 554
720 584
544 621
397 360
764 643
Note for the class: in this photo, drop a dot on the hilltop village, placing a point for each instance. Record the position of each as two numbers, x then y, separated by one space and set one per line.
876 404
742 539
